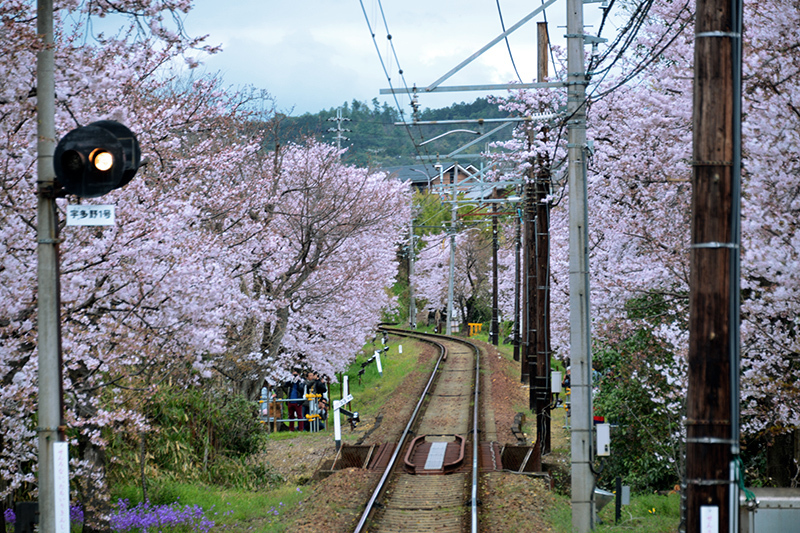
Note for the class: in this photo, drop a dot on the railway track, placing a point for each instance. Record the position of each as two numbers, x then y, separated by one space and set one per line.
430 480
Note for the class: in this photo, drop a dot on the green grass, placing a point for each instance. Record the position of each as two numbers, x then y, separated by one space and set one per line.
647 513
370 395
235 510
241 510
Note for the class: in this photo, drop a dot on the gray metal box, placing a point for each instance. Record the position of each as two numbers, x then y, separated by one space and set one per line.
777 511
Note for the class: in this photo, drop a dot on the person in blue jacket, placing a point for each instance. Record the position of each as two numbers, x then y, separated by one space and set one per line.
295 392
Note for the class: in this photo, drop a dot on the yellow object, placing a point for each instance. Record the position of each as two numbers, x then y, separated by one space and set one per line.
474 328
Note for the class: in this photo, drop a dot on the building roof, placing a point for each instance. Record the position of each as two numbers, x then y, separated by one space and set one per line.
418 174
421 174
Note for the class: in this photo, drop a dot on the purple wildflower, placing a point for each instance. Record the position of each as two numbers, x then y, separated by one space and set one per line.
145 516
76 514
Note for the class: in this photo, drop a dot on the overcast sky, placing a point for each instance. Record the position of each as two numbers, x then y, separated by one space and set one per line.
317 54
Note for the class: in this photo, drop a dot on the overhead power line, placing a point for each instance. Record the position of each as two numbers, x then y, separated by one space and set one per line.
389 77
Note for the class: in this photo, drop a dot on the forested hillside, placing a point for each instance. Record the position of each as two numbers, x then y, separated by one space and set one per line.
374 140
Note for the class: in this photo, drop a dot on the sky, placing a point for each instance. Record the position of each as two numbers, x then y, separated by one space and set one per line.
314 55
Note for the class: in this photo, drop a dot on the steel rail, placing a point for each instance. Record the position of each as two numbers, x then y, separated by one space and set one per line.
475 443
475 427
390 466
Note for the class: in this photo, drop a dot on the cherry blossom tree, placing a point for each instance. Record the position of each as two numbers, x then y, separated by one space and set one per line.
108 301
325 233
215 237
640 191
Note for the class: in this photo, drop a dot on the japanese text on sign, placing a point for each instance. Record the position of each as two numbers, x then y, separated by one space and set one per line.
90 215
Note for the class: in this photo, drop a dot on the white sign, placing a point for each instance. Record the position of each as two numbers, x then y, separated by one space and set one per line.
337 422
709 519
91 215
61 460
338 404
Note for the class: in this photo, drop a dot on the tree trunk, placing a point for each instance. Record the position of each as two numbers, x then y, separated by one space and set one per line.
271 341
781 465
92 489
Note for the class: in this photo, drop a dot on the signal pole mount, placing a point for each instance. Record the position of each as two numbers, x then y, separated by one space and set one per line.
49 306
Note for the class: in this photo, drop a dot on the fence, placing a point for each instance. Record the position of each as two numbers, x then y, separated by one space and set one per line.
271 412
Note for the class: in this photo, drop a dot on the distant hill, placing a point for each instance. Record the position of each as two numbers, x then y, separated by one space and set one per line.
375 141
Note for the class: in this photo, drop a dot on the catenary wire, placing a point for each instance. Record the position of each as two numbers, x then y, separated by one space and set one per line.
508 45
387 75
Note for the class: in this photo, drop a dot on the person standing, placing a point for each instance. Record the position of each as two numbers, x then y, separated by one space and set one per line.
296 391
314 387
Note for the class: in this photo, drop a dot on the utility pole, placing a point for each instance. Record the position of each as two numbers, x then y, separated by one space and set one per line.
49 305
528 357
412 308
338 130
540 396
495 332
517 246
579 318
453 217
712 411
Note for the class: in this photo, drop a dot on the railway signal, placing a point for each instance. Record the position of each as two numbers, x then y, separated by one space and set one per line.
93 160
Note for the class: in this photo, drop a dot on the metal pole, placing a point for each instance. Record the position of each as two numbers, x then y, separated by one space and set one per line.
453 216
48 342
580 354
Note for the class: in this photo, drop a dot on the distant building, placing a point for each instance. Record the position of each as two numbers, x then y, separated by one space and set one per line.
427 177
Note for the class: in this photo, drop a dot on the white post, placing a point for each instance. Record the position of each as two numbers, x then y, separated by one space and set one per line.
337 422
378 361
337 425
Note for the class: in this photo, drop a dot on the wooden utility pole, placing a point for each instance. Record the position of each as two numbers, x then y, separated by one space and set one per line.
495 332
517 247
540 397
712 426
529 280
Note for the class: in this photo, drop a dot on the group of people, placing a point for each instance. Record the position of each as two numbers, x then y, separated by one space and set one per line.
307 395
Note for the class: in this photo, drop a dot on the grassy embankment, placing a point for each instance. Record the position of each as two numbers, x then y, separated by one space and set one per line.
647 513
240 510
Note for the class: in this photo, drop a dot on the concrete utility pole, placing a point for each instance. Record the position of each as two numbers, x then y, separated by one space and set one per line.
580 325
712 411
49 320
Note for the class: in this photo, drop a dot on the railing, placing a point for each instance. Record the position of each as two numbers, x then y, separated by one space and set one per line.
270 411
